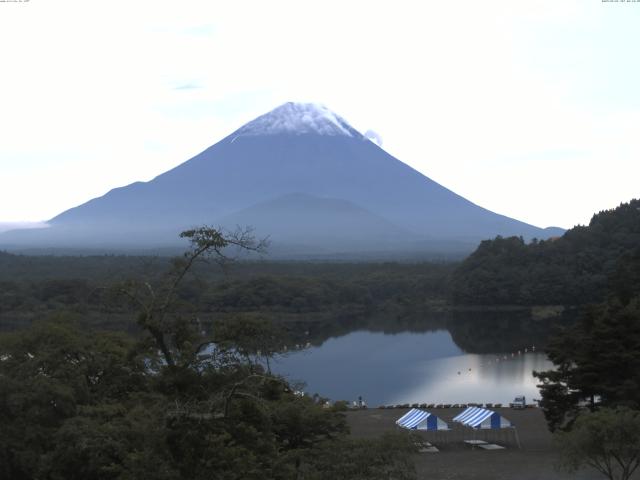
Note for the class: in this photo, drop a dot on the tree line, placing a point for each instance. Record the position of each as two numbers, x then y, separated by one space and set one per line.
574 269
290 292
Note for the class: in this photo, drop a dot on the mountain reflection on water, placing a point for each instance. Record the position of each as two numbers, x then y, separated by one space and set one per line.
469 358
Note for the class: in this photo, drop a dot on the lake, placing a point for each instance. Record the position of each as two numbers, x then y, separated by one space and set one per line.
411 367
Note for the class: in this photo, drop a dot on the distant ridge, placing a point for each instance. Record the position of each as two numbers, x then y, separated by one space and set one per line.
300 174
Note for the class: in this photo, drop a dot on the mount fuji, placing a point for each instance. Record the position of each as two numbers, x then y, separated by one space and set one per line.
299 174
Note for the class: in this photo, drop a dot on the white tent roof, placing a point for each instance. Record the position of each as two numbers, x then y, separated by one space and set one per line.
476 417
416 419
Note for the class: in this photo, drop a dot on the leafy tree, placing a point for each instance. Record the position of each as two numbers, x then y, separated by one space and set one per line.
75 405
48 375
253 337
302 423
597 363
607 440
350 459
112 441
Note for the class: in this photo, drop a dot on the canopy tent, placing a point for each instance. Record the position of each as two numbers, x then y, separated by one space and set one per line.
476 417
416 419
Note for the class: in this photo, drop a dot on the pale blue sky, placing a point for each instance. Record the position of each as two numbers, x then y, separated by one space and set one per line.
531 109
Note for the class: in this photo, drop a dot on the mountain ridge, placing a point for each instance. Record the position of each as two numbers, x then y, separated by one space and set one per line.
295 148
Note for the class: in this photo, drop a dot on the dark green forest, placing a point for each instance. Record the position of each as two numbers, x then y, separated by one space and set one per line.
597 359
575 269
310 301
304 296
166 399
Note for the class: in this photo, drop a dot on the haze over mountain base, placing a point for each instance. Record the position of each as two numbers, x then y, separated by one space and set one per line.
300 175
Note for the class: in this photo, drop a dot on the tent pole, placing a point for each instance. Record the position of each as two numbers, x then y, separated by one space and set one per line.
515 431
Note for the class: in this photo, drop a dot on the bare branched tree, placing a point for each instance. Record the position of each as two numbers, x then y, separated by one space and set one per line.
175 337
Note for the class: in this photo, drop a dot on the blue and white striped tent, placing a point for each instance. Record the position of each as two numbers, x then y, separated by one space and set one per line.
476 417
416 419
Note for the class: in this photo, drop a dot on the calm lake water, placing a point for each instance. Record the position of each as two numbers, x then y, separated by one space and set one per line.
426 367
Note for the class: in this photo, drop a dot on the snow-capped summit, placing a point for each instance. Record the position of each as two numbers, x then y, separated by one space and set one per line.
299 118
299 174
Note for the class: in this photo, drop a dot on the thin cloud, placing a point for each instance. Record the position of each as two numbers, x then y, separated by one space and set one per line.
200 30
188 86
374 137
7 226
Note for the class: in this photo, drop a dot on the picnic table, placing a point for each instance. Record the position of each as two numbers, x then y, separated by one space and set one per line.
483 445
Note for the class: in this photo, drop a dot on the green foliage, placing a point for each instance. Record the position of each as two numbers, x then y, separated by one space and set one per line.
253 337
349 459
571 270
108 441
607 440
597 359
78 405
299 297
48 375
173 402
300 423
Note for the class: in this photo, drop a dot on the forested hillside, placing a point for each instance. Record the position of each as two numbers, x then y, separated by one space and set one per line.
307 297
571 270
